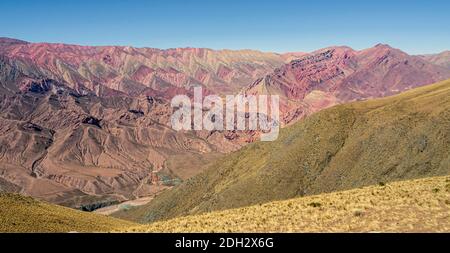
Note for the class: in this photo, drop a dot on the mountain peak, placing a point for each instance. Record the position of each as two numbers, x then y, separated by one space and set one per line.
9 41
381 45
335 48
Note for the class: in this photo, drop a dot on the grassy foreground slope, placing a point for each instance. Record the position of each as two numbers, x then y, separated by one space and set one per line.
348 146
410 206
24 214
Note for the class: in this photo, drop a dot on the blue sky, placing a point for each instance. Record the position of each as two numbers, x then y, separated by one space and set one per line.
416 26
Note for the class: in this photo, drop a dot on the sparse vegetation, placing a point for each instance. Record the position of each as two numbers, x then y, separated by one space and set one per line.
411 206
315 204
407 206
25 214
358 213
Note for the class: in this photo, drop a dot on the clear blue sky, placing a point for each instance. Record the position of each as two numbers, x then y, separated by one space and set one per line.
416 26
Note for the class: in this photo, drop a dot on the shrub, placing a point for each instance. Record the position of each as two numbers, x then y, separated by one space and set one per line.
315 204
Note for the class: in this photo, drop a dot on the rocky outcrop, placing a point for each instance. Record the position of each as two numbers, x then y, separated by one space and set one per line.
340 74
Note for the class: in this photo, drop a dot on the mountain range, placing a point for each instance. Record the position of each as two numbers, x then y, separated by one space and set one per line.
338 75
118 70
87 126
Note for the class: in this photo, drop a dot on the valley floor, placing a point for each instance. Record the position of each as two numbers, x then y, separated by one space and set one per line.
409 206
127 204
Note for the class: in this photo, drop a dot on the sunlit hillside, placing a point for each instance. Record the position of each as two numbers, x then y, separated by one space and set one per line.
409 206
25 214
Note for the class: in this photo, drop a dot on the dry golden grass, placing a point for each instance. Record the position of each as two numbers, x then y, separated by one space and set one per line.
24 214
409 206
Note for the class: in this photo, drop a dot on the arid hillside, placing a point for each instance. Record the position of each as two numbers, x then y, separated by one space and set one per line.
408 206
19 214
348 146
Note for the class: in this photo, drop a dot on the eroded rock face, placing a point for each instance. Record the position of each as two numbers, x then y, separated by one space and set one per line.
70 149
340 74
107 71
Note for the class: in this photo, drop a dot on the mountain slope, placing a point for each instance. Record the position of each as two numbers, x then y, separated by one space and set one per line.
79 150
19 214
133 71
347 146
337 75
442 59
409 206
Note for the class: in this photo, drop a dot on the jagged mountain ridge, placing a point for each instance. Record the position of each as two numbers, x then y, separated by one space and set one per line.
338 75
135 71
